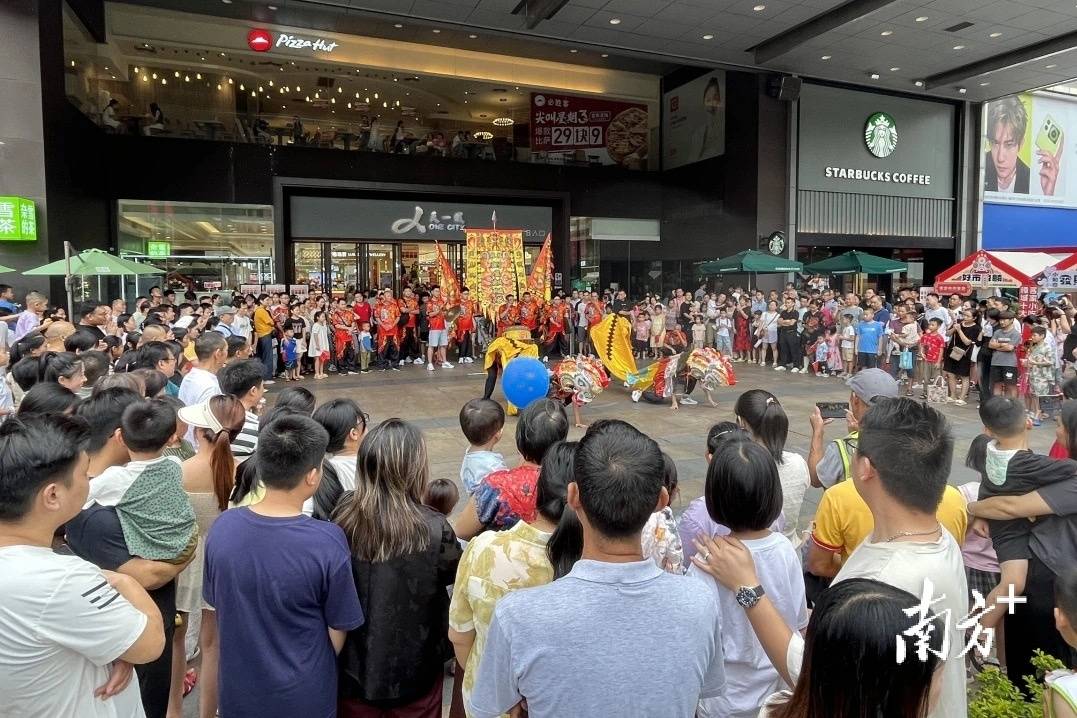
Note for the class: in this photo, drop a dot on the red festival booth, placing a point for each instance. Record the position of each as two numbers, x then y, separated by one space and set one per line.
990 271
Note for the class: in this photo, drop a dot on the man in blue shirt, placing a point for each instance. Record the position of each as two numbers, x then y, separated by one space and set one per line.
282 585
869 334
7 300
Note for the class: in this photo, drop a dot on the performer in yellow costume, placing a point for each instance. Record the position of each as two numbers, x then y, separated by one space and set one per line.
515 341
612 339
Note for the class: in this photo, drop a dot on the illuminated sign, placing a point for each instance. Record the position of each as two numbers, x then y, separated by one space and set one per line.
261 40
158 249
18 220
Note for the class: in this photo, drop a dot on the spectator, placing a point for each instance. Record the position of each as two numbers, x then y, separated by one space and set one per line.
71 632
92 316
583 645
307 598
243 380
48 398
404 556
201 382
346 425
505 497
481 421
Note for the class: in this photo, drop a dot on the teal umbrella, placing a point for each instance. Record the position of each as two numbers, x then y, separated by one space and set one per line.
751 261
5 269
857 263
93 263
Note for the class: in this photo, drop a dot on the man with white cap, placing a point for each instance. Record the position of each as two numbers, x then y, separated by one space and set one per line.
829 463
226 313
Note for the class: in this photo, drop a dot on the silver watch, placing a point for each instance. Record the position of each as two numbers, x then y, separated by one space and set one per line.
747 596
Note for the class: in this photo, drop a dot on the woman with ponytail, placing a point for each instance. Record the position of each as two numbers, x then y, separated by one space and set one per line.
528 554
208 477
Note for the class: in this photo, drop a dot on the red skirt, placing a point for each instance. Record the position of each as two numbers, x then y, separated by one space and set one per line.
742 340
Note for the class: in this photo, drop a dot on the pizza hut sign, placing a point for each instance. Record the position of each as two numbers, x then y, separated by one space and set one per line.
261 40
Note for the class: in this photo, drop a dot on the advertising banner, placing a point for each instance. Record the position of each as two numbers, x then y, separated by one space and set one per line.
693 125
495 266
18 220
615 132
1030 149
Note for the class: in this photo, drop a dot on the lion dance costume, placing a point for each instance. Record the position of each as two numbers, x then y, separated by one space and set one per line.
514 342
578 379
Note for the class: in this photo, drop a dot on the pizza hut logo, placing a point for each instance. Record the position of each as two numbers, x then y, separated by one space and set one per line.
674 103
259 40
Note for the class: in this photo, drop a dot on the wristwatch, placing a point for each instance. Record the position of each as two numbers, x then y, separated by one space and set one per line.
747 596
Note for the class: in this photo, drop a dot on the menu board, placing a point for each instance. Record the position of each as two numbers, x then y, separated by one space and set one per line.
608 131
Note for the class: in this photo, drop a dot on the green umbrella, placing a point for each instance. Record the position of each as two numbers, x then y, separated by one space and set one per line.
93 263
751 261
5 269
857 263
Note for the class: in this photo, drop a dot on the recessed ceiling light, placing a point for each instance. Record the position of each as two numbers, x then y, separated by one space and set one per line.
984 84
825 57
227 2
919 83
397 25
615 21
473 37
959 47
708 36
271 7
436 31
605 54
921 18
759 8
894 69
875 76
886 33
962 90
995 34
573 51
1051 67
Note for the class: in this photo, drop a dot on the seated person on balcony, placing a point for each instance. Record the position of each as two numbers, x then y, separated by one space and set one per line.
108 115
156 120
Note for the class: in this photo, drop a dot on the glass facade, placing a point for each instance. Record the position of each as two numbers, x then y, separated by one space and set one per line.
622 260
201 246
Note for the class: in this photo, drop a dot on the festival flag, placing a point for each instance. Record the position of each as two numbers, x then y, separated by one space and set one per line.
450 285
540 281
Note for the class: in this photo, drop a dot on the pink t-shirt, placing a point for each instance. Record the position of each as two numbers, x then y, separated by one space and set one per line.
977 551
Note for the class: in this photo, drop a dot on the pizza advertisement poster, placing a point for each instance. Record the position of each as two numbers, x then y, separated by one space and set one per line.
495 266
610 131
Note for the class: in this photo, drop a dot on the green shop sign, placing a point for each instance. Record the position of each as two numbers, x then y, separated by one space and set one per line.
18 220
158 249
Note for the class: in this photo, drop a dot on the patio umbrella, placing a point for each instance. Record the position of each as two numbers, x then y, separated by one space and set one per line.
856 263
751 261
5 269
91 263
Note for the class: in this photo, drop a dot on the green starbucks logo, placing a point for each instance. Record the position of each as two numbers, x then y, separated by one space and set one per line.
880 135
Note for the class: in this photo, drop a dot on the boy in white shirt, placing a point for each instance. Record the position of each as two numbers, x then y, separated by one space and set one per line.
482 421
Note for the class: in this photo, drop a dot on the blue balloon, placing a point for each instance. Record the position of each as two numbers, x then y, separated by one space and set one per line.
525 380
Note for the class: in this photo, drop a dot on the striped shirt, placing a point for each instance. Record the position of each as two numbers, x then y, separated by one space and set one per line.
247 440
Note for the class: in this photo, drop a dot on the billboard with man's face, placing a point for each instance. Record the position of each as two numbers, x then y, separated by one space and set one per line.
1028 151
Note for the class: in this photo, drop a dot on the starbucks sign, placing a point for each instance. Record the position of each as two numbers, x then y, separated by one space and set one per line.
880 134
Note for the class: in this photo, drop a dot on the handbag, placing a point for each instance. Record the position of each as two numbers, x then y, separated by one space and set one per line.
958 353
936 392
906 360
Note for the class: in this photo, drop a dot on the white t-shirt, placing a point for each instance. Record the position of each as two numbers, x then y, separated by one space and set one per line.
345 466
793 473
905 565
750 676
61 625
198 386
109 487
848 337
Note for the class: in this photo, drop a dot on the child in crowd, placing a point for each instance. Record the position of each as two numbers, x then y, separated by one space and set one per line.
834 365
744 492
660 538
981 563
820 350
723 331
290 349
178 445
1041 372
642 335
1060 699
742 339
366 346
758 350
699 332
869 337
848 344
155 514
441 495
482 421
932 345
318 347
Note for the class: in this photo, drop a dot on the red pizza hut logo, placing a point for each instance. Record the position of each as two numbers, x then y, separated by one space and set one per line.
259 40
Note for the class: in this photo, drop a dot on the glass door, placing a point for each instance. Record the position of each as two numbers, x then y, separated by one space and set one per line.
310 264
381 264
343 268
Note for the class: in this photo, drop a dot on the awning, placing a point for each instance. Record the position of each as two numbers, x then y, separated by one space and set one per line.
997 270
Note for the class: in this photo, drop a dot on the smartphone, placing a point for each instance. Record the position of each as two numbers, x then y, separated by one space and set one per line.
833 409
1049 137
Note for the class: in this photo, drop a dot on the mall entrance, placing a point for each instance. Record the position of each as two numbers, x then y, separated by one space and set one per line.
340 267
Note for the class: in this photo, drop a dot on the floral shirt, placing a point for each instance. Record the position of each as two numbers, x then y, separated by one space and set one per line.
506 497
662 542
494 564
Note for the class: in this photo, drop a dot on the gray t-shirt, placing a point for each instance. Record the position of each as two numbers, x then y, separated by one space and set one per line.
1011 335
608 639
854 312
830 469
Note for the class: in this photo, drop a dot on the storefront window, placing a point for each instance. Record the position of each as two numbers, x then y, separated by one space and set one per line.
309 269
381 265
201 246
344 267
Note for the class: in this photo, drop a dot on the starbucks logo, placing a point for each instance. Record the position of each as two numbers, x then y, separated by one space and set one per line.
880 135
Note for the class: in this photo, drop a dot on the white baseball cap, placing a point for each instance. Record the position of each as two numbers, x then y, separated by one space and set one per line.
200 416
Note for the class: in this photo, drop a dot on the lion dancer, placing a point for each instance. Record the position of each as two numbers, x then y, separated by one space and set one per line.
508 314
577 380
410 351
342 319
529 314
594 311
514 342
387 313
557 317
464 333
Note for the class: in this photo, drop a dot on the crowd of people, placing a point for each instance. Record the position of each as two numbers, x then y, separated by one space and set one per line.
151 499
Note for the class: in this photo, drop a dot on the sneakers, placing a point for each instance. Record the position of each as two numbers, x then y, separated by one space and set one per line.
779 368
430 367
762 363
446 365
395 369
688 401
268 382
794 370
418 360
960 402
467 360
402 362
636 395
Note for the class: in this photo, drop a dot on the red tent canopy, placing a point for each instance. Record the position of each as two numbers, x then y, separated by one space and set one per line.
984 270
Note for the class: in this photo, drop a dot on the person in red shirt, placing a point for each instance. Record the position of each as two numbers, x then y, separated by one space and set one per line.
363 309
508 314
529 314
409 341
932 344
438 340
556 321
342 320
595 310
465 327
387 315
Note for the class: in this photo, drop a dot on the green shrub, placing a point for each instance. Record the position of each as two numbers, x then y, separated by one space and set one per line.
995 696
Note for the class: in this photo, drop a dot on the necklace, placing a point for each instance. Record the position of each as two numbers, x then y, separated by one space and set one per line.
904 534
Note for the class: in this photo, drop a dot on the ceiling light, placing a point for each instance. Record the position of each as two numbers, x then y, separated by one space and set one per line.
1051 67
473 37
339 88
230 82
483 135
436 31
503 121
145 78
894 69
186 78
573 51
221 54
984 84
615 21
307 98
962 90
227 2
875 76
136 70
385 104
218 86
995 34
333 100
919 83
825 57
605 54
708 36
155 75
921 18
886 33
376 95
260 89
113 77
177 73
959 47
164 81
271 7
397 26
242 88
759 8
298 88
198 76
367 100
